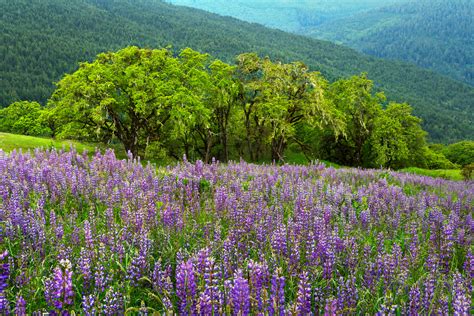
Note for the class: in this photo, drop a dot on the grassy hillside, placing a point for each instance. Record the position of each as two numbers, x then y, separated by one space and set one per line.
434 34
9 142
43 39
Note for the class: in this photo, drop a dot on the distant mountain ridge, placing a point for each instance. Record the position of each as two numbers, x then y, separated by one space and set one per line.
434 34
292 16
43 39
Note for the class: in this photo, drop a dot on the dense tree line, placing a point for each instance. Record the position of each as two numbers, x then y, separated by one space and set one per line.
43 39
461 153
163 106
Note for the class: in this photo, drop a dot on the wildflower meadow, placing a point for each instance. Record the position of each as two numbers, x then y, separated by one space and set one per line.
101 236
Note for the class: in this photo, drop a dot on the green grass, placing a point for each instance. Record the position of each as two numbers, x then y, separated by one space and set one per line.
9 142
298 158
454 174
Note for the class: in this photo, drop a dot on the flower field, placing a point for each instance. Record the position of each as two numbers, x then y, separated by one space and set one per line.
102 236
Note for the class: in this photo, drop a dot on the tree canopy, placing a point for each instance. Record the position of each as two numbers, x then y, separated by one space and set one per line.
23 117
132 94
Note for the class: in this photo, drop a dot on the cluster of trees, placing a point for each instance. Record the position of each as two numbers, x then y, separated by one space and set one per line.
26 118
42 40
163 106
460 153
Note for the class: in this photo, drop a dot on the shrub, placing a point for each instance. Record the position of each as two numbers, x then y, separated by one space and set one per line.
467 171
24 118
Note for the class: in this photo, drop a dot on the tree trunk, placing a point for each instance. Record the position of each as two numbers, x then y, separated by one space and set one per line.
131 146
208 147
249 142
130 142
278 148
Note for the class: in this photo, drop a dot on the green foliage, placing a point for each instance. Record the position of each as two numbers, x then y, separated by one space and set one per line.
398 139
374 136
154 151
131 95
467 172
354 97
461 153
24 118
276 98
42 40
436 160
162 106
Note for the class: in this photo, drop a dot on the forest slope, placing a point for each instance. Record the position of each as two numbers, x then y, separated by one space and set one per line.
434 34
290 16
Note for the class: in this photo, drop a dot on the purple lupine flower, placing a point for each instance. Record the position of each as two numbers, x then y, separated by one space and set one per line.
331 308
4 276
469 265
143 311
88 235
136 269
84 265
428 296
257 275
211 281
278 240
204 305
4 305
414 300
461 298
186 288
347 294
387 309
4 271
167 305
20 306
443 306
277 295
102 276
303 298
328 264
239 295
161 278
113 303
88 305
58 289
202 256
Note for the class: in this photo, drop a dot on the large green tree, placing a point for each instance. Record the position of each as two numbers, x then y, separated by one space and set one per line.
398 139
355 98
131 95
276 98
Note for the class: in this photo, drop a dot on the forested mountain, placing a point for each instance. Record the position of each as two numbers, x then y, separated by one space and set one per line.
43 39
291 16
435 34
